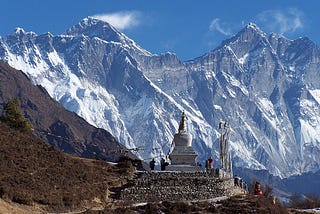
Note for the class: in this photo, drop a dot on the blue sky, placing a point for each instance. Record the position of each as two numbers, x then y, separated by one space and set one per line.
187 28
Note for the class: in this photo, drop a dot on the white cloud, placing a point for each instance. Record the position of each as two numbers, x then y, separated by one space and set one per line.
282 22
224 29
121 20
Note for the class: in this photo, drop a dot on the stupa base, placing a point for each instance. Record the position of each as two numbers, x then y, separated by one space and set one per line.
183 168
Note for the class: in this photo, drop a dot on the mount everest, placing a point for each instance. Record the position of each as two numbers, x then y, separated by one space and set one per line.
266 86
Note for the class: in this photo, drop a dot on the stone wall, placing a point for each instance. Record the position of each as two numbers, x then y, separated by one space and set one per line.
177 186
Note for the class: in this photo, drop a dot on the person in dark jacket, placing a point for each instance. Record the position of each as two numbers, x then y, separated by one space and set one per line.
152 164
163 164
207 165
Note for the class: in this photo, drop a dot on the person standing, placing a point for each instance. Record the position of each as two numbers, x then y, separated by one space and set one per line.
257 188
210 162
163 164
152 164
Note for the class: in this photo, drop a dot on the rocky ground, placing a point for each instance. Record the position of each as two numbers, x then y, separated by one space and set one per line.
36 174
237 204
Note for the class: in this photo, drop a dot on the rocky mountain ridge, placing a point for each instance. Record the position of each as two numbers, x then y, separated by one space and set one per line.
267 87
53 123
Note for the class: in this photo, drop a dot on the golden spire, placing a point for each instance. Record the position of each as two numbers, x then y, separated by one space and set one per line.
182 126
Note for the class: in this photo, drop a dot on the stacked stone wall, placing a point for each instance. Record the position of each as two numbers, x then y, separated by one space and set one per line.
177 186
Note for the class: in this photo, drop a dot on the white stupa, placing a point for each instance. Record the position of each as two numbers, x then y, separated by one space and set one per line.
183 155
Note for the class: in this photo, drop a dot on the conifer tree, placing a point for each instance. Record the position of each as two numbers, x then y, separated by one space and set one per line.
14 117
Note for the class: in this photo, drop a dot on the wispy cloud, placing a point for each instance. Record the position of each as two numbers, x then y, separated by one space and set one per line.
222 28
121 20
282 21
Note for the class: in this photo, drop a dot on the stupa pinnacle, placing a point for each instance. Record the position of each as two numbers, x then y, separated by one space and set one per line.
182 126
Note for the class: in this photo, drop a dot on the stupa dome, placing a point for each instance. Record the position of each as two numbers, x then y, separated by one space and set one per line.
182 139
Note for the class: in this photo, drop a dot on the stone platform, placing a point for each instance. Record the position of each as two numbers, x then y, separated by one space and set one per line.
177 186
186 168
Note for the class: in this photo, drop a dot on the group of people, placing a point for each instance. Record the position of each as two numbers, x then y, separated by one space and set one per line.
163 164
242 184
239 182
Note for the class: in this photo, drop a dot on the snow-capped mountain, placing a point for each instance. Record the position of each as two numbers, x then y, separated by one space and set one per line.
267 87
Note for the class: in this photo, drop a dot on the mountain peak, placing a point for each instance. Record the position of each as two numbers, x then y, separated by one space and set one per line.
93 27
252 25
19 34
252 28
19 30
92 21
250 33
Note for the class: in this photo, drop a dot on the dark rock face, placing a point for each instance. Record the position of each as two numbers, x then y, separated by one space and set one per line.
52 122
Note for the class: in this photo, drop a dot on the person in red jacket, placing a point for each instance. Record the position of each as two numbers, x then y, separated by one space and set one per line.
257 188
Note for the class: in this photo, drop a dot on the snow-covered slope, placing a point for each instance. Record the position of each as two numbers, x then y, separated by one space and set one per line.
267 87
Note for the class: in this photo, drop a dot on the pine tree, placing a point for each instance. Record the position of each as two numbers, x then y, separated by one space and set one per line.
14 117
